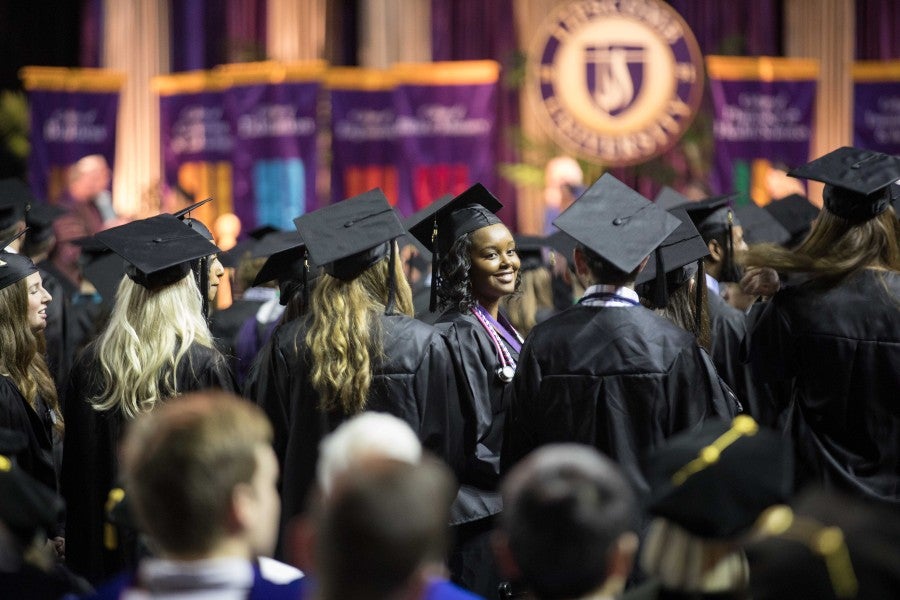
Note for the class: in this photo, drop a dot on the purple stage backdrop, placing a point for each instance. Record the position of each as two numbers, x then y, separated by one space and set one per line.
196 139
763 118
274 154
876 106
418 131
73 114
363 133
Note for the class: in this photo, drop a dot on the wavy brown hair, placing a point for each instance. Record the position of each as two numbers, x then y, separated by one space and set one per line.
534 292
344 338
22 355
835 248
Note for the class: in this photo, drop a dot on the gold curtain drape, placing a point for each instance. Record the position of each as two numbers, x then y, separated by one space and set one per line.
136 41
825 30
295 29
394 31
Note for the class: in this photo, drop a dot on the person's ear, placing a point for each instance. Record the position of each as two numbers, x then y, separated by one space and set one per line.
243 511
503 556
716 252
581 265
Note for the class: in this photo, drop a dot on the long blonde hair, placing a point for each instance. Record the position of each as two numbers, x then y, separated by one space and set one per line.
22 352
345 335
835 248
148 335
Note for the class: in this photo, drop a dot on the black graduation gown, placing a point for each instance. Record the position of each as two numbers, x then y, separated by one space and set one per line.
622 379
839 349
90 455
728 326
484 397
16 414
416 383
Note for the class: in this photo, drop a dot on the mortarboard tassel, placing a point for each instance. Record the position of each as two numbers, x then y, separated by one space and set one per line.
392 284
661 299
435 274
202 276
305 279
699 288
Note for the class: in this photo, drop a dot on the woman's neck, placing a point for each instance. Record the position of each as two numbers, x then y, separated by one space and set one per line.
492 307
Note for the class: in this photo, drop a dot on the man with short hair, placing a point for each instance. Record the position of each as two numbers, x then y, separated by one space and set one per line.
609 372
200 476
567 527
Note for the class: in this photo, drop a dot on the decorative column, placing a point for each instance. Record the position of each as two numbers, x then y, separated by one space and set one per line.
825 30
136 41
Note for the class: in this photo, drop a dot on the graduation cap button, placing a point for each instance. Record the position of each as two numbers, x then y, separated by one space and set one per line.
5 463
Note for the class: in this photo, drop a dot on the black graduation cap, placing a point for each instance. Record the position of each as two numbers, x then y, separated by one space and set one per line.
441 223
667 199
158 249
617 223
827 545
102 267
348 237
760 226
712 216
715 481
27 506
857 182
40 221
15 200
682 256
275 242
530 249
14 267
291 268
795 213
184 215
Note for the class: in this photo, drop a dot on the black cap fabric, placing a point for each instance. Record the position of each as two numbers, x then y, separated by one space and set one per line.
530 249
715 481
12 442
562 244
198 226
14 267
617 223
795 213
712 215
348 237
681 249
760 226
157 249
275 242
667 199
15 200
828 545
857 182
102 267
440 223
40 221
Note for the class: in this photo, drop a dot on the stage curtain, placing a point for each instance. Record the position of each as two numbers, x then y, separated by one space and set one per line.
736 27
136 41
477 30
296 29
877 24
394 31
824 30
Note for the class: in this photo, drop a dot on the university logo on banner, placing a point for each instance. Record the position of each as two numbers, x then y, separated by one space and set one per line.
617 82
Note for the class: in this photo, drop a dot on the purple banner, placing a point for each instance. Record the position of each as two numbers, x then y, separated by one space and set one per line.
759 122
67 126
876 116
197 141
274 154
364 143
445 136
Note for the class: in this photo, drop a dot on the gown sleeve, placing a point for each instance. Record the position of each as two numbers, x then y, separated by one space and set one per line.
519 436
769 346
271 390
441 426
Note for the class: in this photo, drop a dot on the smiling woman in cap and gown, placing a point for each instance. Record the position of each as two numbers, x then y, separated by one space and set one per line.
475 266
835 339
28 398
608 372
357 348
156 345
